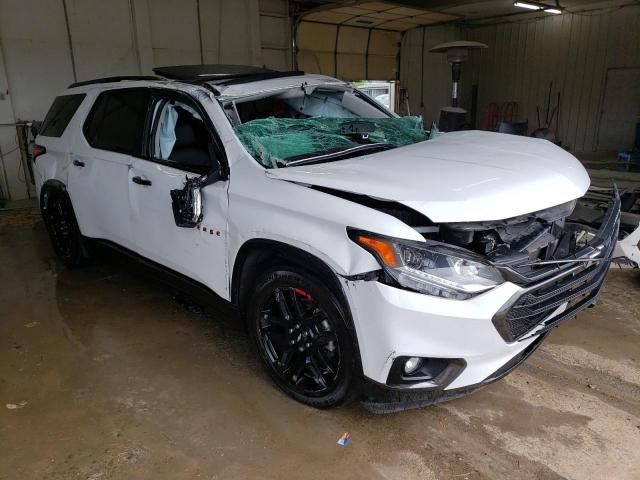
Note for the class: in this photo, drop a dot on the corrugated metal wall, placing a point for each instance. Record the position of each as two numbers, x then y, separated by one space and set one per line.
45 45
573 51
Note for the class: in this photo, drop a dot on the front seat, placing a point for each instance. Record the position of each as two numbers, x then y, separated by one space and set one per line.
192 139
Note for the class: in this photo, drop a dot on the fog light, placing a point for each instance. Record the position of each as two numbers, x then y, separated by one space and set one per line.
412 365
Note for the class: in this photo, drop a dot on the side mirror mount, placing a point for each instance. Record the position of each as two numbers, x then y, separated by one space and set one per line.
187 203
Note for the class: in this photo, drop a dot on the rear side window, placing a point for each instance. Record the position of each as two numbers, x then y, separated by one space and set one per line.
117 120
60 114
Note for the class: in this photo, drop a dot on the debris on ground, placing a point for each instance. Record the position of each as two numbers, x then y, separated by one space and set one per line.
344 439
15 406
31 324
188 305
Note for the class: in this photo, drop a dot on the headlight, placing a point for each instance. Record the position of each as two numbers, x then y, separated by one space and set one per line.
430 267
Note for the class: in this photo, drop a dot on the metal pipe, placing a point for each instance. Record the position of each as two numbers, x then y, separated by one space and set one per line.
200 32
66 23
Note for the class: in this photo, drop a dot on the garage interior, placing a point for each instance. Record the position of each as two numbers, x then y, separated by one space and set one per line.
107 373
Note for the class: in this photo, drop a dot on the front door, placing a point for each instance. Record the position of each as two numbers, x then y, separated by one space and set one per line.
181 144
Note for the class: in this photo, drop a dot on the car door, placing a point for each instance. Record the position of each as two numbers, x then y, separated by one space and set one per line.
102 154
181 144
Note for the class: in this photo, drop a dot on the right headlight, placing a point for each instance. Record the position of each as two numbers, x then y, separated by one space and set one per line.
430 267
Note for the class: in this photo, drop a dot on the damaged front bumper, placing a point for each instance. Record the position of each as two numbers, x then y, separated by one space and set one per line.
473 342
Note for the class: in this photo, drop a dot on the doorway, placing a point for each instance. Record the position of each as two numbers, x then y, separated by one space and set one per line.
620 109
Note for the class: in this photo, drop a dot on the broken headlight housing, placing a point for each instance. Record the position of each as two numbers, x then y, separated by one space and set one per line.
432 268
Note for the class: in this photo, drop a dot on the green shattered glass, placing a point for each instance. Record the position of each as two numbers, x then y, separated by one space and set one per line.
275 141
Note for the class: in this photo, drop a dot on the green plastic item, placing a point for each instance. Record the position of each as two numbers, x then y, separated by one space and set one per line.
275 141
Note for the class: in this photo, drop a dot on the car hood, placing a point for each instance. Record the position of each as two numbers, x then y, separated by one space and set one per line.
458 176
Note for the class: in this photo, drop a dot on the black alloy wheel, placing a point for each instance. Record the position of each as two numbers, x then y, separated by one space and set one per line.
302 337
61 224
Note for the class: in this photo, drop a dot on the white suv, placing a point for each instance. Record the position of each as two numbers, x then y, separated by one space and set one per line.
367 259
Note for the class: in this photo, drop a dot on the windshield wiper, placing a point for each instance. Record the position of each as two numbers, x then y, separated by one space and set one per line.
348 152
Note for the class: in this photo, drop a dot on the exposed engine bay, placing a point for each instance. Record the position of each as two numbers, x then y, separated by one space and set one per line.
545 235
536 239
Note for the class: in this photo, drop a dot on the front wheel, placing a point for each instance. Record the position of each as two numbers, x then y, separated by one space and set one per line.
303 337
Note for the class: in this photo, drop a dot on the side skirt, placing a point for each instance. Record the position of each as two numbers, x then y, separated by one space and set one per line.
192 289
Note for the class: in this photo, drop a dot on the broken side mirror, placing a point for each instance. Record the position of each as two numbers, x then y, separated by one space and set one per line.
186 202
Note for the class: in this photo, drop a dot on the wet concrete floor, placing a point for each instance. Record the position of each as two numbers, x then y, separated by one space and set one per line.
104 375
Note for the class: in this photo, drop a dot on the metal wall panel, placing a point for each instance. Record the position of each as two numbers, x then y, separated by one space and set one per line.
346 52
47 44
275 34
573 51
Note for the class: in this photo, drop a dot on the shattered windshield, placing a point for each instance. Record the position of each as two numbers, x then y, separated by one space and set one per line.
301 126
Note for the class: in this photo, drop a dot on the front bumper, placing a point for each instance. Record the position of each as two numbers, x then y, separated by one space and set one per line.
485 337
391 322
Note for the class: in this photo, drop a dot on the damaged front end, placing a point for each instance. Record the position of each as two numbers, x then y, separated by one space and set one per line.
560 262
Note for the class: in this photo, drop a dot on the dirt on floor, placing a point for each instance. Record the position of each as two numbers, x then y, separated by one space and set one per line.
104 374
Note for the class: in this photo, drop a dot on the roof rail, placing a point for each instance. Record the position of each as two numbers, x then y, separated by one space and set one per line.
220 74
123 78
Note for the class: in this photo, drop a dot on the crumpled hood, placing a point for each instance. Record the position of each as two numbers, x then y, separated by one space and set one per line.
457 177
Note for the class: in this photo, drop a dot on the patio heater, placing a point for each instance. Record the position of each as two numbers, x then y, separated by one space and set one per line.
454 117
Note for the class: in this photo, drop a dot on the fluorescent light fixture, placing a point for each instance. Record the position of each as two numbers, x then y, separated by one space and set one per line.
530 6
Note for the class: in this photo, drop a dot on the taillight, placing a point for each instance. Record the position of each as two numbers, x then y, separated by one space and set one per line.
36 151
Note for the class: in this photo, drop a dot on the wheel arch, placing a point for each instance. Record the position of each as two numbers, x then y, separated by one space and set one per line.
259 253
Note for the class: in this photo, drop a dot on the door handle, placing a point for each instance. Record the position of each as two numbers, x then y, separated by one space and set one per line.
78 163
141 181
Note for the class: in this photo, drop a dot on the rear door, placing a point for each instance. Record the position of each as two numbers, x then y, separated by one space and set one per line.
181 144
56 136
111 139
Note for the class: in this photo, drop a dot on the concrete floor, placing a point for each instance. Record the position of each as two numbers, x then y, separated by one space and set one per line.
103 375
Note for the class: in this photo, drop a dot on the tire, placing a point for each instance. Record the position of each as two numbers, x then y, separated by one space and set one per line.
62 226
311 354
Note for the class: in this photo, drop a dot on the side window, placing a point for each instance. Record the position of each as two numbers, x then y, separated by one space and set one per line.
60 114
117 120
181 136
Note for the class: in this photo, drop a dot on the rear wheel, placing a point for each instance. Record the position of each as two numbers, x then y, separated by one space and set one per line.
303 338
60 222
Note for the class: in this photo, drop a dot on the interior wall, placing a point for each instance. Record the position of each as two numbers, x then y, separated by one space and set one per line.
573 51
45 45
346 52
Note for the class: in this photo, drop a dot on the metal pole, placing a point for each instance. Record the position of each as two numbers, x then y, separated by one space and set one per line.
66 23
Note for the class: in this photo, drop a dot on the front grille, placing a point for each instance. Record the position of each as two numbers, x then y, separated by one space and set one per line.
575 285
